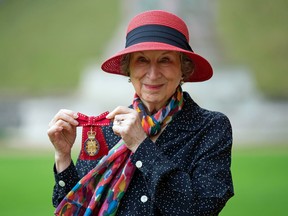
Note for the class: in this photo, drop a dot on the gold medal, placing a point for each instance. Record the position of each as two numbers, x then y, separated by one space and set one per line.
91 144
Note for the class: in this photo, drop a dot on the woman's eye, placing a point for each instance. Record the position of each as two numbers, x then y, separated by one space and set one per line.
142 60
165 60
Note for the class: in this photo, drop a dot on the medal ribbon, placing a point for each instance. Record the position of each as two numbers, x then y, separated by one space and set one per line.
100 120
100 191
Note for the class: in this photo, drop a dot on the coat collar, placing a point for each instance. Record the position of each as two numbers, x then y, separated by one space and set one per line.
191 117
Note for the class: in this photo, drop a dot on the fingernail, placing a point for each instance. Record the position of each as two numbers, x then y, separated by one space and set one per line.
75 115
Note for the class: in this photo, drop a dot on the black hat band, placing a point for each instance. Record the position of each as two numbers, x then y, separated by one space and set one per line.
157 33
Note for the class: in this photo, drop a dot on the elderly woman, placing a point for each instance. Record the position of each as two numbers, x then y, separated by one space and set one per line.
178 154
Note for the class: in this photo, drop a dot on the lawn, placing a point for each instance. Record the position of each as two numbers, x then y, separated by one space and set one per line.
260 179
46 45
261 182
254 34
26 183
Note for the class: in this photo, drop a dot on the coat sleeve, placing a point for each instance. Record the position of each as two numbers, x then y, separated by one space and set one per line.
201 189
64 182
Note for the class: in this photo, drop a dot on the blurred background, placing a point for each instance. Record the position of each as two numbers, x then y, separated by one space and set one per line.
50 57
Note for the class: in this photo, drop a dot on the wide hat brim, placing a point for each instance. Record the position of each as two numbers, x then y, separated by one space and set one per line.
202 71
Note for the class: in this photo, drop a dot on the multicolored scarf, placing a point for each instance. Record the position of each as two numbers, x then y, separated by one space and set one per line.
100 191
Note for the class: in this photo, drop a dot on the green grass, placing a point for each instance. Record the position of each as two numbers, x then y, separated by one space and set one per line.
261 182
260 179
45 45
26 183
255 33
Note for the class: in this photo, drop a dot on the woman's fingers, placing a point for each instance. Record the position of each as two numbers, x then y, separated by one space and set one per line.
127 125
63 120
62 130
118 111
66 116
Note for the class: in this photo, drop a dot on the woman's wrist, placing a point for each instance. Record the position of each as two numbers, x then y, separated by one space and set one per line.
62 161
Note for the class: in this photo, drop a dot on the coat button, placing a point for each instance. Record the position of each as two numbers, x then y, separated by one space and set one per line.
61 183
139 164
144 199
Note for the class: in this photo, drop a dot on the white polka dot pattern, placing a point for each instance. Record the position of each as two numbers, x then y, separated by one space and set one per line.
186 172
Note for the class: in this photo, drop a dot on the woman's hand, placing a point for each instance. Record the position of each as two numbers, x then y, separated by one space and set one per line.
62 134
127 124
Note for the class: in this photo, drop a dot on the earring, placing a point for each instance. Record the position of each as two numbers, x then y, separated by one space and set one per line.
129 80
182 81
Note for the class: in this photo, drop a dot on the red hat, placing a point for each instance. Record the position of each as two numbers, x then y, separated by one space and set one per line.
159 30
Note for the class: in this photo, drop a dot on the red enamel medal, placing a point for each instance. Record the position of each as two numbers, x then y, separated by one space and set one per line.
91 144
94 144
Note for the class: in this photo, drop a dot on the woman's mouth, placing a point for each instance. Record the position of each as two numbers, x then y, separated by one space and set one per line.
153 87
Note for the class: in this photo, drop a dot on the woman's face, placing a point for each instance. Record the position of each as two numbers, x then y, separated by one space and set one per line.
155 76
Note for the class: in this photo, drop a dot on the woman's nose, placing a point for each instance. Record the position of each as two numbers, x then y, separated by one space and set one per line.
153 72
